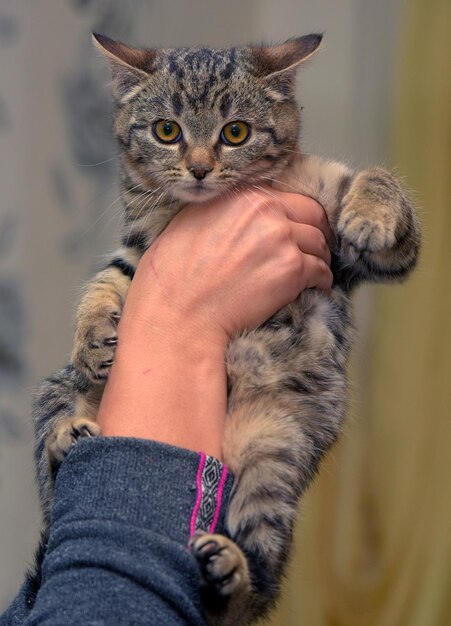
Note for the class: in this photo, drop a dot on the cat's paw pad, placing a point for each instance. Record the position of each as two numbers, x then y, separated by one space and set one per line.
371 212
65 434
365 227
222 564
95 344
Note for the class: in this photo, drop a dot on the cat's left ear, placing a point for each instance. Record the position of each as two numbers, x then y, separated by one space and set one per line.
278 64
129 66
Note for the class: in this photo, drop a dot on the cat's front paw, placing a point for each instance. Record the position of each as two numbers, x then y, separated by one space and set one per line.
222 564
95 344
370 214
65 434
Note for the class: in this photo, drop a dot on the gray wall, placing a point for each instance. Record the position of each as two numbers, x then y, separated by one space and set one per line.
57 210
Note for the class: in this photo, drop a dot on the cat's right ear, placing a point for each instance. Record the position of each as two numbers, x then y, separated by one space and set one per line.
129 66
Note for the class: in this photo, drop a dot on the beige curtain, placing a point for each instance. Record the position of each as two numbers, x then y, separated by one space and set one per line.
374 539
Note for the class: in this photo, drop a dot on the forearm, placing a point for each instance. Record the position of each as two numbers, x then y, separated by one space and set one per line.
124 510
174 381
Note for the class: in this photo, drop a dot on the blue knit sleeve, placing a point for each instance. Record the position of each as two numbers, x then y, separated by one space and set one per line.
124 510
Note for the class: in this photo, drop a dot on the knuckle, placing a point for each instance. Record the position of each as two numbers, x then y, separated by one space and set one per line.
323 221
276 227
321 265
319 214
323 245
298 265
327 274
315 208
322 240
292 256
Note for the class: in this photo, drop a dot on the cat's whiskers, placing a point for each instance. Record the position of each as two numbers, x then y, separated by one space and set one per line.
100 162
144 198
299 152
121 213
266 202
231 192
89 205
273 195
140 196
125 207
149 212
157 202
165 169
262 189
279 182
145 211
173 198
294 189
137 202
273 211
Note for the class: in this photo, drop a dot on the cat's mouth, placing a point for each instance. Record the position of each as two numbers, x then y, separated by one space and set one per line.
198 191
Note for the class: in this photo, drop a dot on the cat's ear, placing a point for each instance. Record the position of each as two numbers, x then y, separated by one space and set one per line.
277 64
129 66
284 57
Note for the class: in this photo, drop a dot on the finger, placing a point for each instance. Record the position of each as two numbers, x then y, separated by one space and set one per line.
316 273
311 240
305 210
298 208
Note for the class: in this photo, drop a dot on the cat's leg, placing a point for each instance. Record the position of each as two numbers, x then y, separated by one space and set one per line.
65 434
59 402
273 461
377 227
377 233
64 409
242 574
287 408
227 588
98 315
325 181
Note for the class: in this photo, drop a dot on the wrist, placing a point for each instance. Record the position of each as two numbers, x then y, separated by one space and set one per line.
160 324
167 383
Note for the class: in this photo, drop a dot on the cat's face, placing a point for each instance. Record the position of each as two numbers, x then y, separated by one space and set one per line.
200 122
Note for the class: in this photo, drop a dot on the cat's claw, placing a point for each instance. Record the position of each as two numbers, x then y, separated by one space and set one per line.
65 434
95 344
222 564
362 233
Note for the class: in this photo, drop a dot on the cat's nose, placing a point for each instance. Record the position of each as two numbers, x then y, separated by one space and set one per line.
199 171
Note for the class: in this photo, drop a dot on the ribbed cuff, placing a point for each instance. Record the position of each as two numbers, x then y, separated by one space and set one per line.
142 483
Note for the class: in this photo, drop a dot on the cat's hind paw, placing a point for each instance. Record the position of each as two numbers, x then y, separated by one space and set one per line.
65 434
222 564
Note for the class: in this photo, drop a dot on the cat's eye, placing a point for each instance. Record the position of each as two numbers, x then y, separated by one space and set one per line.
235 133
167 131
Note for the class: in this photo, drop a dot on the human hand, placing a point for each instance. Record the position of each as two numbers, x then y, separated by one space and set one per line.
218 268
230 264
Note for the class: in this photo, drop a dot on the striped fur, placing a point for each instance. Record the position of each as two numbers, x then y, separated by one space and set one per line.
287 379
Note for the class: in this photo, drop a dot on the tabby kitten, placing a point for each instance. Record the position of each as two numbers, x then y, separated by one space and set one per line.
192 124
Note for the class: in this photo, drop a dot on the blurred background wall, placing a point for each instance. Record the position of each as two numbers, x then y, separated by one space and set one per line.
373 541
